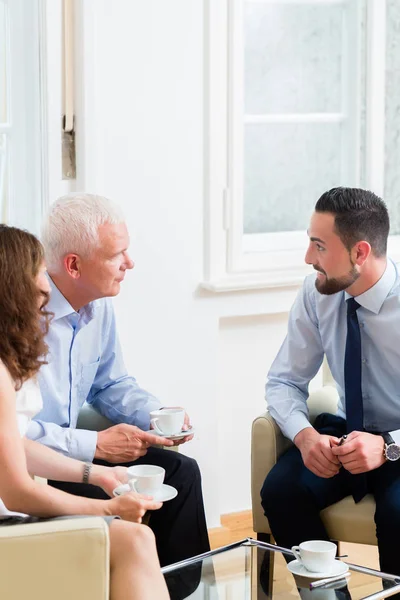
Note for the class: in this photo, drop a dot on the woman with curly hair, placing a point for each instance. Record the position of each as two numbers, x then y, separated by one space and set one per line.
24 291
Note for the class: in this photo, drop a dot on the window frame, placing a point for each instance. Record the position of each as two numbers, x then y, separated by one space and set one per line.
233 260
25 131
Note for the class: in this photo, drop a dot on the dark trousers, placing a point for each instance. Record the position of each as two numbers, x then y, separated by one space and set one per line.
180 525
292 498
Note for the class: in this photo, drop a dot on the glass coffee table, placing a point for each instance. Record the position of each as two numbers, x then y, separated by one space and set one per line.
253 570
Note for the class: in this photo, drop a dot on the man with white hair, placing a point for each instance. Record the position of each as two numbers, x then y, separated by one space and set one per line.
86 244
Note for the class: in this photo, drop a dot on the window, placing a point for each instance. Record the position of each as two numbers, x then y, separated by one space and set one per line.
21 147
297 104
392 114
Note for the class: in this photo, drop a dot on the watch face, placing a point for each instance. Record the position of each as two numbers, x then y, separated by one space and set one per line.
393 452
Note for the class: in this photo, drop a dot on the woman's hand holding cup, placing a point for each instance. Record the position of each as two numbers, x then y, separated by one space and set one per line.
108 478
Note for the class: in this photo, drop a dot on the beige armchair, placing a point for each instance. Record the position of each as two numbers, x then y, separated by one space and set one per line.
345 521
59 559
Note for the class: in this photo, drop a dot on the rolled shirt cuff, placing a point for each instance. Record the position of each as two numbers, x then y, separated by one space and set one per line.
83 444
294 425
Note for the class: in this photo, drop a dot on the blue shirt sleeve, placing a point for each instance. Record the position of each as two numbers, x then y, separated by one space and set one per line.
76 443
297 362
85 364
114 393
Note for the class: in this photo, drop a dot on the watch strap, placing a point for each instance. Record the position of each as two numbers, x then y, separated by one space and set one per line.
87 467
387 438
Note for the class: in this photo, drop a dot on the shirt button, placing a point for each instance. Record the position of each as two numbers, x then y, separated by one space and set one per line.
364 360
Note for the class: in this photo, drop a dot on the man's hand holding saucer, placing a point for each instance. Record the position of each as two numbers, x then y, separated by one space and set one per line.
123 443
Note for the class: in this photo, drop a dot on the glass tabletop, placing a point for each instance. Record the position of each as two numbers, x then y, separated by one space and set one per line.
252 570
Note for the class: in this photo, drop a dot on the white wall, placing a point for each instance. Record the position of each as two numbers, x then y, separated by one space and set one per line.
140 142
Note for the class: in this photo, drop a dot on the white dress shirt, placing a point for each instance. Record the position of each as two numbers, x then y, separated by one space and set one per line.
318 326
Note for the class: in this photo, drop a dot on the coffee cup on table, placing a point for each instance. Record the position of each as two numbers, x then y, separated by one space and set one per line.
168 421
145 479
317 556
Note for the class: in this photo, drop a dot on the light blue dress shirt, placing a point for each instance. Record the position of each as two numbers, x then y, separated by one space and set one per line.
318 326
85 363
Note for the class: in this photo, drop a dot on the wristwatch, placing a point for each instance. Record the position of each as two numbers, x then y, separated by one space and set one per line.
87 467
391 450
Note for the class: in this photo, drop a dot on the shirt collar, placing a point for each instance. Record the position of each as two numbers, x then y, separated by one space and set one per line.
60 307
373 298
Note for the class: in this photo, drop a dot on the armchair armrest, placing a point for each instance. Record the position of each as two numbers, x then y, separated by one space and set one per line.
55 559
92 420
324 400
268 443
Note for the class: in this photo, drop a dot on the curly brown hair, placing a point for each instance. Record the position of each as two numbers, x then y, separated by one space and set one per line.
22 346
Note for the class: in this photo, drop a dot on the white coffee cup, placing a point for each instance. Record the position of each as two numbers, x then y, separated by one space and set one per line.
146 479
317 556
168 421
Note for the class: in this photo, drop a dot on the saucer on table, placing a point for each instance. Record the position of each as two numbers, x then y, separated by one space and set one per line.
297 568
165 493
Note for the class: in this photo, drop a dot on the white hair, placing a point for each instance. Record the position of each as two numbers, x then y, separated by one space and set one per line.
72 225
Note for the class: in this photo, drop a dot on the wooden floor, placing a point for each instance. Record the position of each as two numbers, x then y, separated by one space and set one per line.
235 527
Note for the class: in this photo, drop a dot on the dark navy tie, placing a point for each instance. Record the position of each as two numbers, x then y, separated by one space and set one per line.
353 389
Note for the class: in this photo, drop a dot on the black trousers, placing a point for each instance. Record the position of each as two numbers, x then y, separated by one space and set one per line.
292 498
179 525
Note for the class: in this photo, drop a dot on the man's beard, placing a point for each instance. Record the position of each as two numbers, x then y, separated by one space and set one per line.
334 285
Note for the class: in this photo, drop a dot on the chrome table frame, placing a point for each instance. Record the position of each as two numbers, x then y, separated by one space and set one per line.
252 542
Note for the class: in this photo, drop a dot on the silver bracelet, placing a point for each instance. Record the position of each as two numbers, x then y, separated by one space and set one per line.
87 467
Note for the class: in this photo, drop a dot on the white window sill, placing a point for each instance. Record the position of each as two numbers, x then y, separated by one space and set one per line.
257 281
277 279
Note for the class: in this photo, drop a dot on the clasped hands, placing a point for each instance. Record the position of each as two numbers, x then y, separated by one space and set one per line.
323 455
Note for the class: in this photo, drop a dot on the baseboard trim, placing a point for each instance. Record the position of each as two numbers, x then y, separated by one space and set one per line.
234 527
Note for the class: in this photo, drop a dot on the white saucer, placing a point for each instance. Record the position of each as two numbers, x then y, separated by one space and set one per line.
178 436
338 568
167 492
